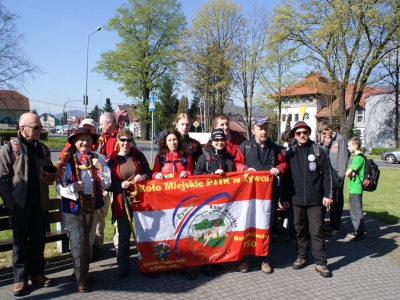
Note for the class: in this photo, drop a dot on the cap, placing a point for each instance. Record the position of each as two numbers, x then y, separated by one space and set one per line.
90 122
83 130
299 124
218 133
259 121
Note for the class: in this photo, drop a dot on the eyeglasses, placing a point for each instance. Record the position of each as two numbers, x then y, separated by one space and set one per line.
298 133
34 127
219 140
126 140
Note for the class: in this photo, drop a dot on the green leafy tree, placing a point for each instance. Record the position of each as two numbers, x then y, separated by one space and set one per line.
183 105
345 39
194 108
149 30
166 105
108 107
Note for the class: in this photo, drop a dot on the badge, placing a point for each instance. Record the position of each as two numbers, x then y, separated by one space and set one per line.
311 157
312 166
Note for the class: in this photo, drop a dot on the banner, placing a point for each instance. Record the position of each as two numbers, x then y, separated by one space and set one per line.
202 219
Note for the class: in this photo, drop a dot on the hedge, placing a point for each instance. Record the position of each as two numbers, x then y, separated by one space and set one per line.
379 151
8 134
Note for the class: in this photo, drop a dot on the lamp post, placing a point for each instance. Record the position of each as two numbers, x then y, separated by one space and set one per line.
87 67
99 112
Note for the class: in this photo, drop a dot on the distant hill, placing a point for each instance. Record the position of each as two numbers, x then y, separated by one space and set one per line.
73 112
237 109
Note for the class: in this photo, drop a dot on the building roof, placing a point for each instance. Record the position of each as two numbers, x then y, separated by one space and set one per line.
368 91
128 108
12 100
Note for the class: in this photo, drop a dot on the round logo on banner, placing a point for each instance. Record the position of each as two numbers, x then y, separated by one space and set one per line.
312 166
311 157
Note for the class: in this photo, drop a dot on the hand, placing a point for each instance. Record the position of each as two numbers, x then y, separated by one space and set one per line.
327 202
183 174
328 140
159 176
99 166
125 184
79 186
275 171
220 172
285 204
138 178
251 169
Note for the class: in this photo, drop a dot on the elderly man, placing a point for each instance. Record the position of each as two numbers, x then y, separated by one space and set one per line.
259 154
81 195
106 145
27 198
307 185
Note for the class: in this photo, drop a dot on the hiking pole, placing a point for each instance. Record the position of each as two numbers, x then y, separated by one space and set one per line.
128 214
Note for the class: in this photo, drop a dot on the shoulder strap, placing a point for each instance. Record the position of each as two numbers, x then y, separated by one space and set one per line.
208 160
317 155
238 136
15 149
161 160
247 146
184 160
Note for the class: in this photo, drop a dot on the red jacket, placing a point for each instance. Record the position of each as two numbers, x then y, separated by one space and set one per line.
234 142
173 165
110 141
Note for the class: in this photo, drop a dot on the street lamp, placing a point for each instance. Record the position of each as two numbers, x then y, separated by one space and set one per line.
87 67
100 102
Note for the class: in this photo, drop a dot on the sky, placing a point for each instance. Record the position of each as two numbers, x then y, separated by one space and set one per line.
56 34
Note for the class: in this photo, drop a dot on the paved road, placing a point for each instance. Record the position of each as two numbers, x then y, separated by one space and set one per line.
370 270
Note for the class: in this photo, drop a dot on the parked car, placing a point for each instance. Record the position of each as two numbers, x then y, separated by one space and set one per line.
391 156
157 137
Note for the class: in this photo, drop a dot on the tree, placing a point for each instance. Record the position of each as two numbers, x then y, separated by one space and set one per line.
108 107
183 105
194 109
34 111
207 52
166 104
249 58
149 30
15 66
346 39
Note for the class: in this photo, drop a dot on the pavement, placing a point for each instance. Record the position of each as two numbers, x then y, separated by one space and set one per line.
369 270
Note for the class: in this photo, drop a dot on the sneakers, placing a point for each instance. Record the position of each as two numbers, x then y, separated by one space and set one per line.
19 288
299 264
266 268
40 280
244 266
188 273
332 232
208 271
323 270
351 234
359 238
122 273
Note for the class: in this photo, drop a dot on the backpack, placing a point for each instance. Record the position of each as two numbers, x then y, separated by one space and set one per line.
371 175
16 151
161 160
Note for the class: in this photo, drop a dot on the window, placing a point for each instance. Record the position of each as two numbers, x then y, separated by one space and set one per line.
296 117
360 116
306 116
283 117
297 100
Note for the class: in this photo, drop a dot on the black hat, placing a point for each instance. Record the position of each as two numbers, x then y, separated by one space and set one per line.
83 130
217 132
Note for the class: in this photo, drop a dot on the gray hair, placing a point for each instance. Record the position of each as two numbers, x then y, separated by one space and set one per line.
109 117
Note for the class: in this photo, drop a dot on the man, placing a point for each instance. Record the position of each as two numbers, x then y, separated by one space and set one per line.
106 145
259 154
27 198
335 145
307 185
233 137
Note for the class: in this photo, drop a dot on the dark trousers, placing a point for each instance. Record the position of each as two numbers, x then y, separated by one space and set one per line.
124 230
29 233
311 215
336 210
357 217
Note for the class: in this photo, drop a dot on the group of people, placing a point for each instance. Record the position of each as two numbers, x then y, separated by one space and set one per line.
99 170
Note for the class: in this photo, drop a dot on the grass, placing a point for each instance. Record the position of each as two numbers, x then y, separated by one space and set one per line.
56 142
383 204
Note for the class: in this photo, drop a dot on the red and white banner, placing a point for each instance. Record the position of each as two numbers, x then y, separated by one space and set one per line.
202 219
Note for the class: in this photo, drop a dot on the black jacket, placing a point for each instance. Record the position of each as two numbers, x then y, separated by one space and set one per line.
308 178
218 160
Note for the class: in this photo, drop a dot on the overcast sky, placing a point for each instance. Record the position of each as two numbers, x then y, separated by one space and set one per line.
56 34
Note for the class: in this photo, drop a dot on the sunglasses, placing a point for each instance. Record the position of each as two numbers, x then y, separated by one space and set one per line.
34 127
218 140
126 140
298 133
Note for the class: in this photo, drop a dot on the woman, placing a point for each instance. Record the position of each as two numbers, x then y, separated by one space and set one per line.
215 160
193 147
172 160
76 185
128 166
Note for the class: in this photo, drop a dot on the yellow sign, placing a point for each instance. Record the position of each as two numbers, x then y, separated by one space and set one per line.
195 124
302 111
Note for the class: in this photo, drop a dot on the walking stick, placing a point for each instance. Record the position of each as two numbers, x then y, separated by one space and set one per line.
128 214
86 208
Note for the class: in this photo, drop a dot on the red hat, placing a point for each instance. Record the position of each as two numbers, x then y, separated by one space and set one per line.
83 130
300 124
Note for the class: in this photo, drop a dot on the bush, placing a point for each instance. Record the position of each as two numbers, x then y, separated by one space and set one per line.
379 151
8 134
362 149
